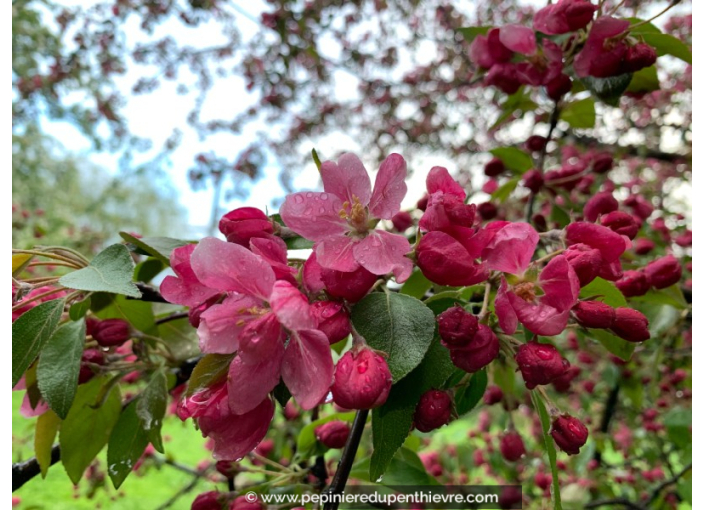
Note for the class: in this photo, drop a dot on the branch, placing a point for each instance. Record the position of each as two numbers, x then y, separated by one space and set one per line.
608 414
666 483
172 317
554 117
615 501
347 459
149 294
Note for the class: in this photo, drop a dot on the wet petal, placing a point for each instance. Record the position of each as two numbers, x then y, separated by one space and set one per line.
336 252
307 368
314 216
382 253
221 325
347 179
291 307
249 384
389 187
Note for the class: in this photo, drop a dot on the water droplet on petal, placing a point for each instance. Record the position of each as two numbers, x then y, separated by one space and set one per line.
298 198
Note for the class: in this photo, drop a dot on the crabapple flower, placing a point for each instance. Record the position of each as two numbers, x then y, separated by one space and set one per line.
603 55
241 225
342 218
564 16
544 315
510 246
569 433
184 288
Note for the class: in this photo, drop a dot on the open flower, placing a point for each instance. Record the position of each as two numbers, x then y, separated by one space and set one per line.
254 321
342 219
545 314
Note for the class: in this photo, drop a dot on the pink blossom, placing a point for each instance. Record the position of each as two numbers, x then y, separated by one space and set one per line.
543 315
510 246
564 16
253 320
341 219
603 56
184 288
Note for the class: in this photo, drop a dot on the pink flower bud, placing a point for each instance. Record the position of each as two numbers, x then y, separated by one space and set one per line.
487 211
594 314
602 163
227 468
291 411
569 433
242 503
351 286
540 363
402 221
633 283
497 50
433 410
585 261
631 325
639 56
684 239
533 180
643 209
493 395
664 272
536 143
362 380
494 168
482 350
333 434
94 356
511 497
111 332
578 13
562 384
601 203
244 223
643 246
443 260
542 480
621 223
195 312
512 447
212 500
457 327
558 86
609 243
503 77
333 319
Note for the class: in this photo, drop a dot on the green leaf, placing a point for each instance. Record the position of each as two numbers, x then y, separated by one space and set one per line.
181 337
126 445
615 345
159 247
559 215
470 33
110 271
298 243
307 442
405 469
643 27
469 396
86 429
645 80
316 159
19 262
549 447
671 296
282 394
519 101
212 368
79 309
151 408
416 286
401 326
609 90
392 421
504 191
666 44
678 423
605 290
148 269
30 332
44 434
138 313
661 318
59 364
580 114
513 158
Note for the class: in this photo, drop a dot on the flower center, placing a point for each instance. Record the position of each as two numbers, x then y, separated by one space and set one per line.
525 291
356 214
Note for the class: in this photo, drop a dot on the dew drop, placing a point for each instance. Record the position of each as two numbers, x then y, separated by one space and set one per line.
298 198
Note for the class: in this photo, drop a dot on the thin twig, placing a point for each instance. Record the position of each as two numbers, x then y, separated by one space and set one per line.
554 117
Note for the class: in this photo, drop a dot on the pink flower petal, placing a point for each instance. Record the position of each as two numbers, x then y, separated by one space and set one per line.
511 249
346 179
249 384
230 267
560 284
273 249
307 368
314 216
313 275
439 179
235 436
504 311
291 307
539 318
27 411
184 289
548 21
382 253
261 337
518 38
336 252
221 325
389 187
609 243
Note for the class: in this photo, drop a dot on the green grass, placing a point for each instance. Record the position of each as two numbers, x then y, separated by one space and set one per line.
147 489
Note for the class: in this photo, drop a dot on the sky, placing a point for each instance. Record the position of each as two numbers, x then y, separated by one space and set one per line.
154 116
